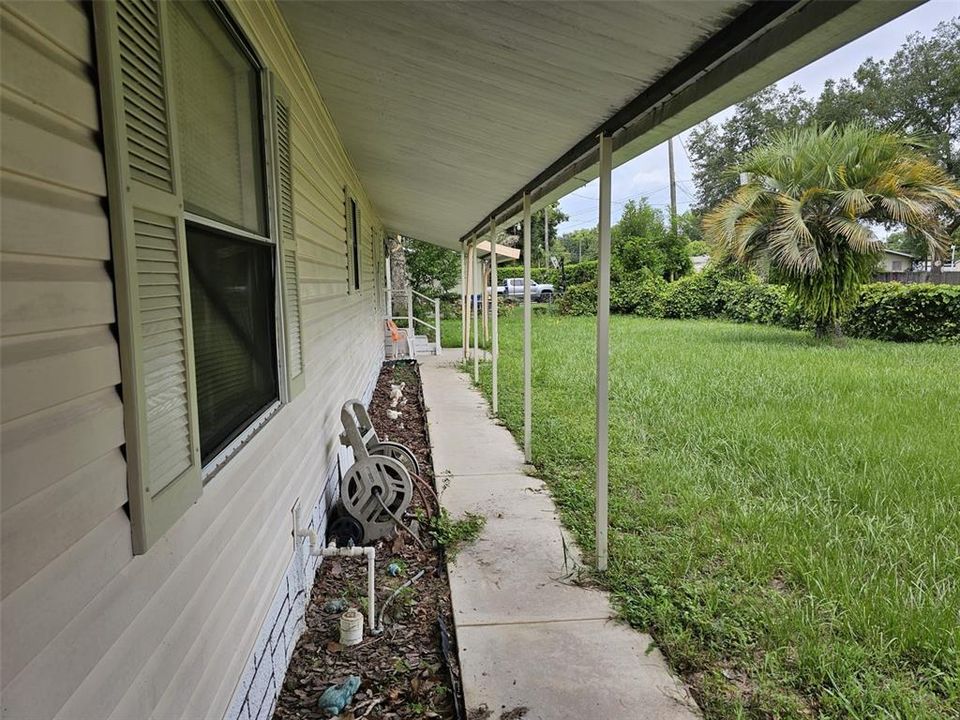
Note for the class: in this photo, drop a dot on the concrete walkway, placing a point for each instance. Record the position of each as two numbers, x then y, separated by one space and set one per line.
528 637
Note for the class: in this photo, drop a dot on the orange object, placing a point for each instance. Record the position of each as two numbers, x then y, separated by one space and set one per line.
394 330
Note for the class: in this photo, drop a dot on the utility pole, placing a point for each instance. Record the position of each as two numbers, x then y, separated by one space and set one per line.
546 236
673 193
673 188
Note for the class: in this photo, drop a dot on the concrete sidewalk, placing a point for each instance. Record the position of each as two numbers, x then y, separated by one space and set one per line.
528 637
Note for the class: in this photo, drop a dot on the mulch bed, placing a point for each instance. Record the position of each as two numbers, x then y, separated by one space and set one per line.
404 673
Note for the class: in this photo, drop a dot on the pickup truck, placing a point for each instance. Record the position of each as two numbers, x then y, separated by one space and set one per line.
512 289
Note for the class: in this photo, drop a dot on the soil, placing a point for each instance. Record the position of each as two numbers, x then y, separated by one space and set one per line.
404 672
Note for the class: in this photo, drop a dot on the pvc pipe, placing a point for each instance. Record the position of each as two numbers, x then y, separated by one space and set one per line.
332 550
603 349
527 343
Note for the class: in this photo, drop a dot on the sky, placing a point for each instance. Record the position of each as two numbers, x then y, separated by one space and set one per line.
646 175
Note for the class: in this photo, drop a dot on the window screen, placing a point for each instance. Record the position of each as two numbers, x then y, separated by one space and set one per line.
234 334
216 93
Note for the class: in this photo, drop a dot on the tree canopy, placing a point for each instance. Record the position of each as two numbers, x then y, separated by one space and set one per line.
431 269
917 92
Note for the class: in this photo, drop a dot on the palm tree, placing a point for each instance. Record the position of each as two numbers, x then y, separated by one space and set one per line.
809 201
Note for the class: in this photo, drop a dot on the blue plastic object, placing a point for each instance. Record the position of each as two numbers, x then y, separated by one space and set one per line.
393 569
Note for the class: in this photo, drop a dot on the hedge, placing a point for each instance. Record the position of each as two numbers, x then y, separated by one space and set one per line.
884 311
907 313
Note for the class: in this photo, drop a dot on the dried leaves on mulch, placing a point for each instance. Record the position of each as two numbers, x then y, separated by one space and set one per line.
403 673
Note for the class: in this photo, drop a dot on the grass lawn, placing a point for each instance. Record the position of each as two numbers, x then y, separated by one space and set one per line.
785 515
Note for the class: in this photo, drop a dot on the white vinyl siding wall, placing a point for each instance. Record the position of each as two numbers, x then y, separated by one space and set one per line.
90 630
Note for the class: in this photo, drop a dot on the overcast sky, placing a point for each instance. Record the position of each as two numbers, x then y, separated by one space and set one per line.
646 175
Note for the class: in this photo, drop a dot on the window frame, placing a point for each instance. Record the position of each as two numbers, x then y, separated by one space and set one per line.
267 148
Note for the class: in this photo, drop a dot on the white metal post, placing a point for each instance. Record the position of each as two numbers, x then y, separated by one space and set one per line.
436 326
485 313
469 303
476 317
411 332
494 314
389 287
527 342
603 349
463 303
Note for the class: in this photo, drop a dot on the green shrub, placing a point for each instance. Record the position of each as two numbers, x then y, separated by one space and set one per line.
693 296
638 293
906 313
578 299
756 302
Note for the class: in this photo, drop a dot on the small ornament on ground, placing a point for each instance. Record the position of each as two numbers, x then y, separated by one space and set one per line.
337 697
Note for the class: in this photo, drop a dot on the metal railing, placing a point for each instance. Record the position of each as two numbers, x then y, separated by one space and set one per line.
412 319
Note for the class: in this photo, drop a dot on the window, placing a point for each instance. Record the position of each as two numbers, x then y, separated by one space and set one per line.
203 241
353 242
216 86
234 342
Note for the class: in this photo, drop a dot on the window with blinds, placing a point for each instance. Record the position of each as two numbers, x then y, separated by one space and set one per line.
231 259
217 92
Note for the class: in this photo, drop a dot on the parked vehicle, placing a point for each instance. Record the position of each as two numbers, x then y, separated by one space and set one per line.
512 289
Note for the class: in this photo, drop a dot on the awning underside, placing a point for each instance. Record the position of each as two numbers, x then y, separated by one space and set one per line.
447 110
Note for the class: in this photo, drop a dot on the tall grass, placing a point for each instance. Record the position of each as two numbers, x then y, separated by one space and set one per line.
784 515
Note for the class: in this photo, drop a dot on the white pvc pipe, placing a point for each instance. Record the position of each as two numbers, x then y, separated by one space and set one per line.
494 318
527 341
367 551
463 303
603 350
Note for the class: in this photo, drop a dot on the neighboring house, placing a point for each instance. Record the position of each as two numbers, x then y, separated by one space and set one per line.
699 262
896 261
192 283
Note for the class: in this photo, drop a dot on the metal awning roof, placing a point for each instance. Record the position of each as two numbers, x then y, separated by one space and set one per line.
451 110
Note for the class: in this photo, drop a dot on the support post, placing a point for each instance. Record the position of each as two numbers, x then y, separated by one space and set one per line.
411 331
485 313
389 287
463 303
469 302
436 326
476 319
603 349
494 319
527 341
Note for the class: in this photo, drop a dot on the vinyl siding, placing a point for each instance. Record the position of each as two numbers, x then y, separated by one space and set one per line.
89 630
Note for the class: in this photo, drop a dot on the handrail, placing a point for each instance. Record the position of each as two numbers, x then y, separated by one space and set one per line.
416 320
420 294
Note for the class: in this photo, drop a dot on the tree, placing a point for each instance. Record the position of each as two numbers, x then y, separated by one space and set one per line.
809 203
537 248
641 239
714 149
580 244
430 268
917 92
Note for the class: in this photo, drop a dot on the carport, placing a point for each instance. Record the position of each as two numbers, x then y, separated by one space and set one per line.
465 117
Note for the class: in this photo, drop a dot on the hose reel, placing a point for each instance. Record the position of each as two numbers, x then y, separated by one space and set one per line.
376 490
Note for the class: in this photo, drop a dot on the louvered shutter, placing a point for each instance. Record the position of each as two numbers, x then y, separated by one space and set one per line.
289 270
151 277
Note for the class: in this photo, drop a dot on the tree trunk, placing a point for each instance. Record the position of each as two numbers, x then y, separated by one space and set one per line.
398 272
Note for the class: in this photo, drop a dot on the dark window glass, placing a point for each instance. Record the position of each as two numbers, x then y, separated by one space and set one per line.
234 333
356 246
